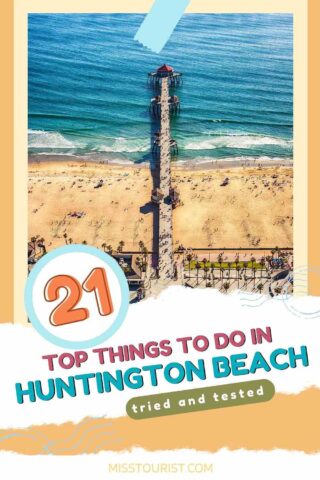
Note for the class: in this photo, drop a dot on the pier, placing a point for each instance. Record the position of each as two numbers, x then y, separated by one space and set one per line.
162 106
165 262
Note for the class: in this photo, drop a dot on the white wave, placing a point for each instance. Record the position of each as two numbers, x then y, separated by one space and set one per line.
56 154
235 141
42 139
55 140
242 160
125 145
120 161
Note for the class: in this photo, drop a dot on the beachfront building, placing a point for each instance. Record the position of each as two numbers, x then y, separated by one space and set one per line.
128 265
165 71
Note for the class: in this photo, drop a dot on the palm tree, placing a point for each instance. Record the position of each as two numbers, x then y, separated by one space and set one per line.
141 245
212 273
263 264
145 255
34 240
254 271
198 266
268 260
204 262
180 248
206 270
109 249
221 273
104 245
238 268
41 244
245 266
139 263
189 258
220 258
226 286
229 267
120 246
65 235
260 287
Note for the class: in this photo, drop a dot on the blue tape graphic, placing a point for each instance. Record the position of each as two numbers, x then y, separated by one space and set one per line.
158 25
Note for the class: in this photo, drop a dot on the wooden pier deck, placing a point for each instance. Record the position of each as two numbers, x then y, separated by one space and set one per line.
165 261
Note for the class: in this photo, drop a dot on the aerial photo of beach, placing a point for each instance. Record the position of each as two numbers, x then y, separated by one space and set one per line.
179 165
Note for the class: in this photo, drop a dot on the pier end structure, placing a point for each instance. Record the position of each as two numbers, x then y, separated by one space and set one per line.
165 71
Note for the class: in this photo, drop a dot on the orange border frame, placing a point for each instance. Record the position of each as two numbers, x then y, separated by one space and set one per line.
6 126
284 407
313 135
6 190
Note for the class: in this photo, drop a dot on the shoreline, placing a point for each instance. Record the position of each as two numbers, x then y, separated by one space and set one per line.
205 164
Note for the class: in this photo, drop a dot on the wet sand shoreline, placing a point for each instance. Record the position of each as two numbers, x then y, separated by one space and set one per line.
206 164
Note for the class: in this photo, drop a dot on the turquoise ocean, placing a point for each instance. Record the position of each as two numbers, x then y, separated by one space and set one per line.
89 96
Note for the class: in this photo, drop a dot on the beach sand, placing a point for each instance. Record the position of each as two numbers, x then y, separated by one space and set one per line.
253 210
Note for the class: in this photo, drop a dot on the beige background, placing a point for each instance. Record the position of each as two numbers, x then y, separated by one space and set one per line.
289 422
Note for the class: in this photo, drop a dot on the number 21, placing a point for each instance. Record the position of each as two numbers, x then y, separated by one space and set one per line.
66 312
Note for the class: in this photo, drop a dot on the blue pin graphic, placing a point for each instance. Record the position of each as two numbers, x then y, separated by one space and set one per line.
158 25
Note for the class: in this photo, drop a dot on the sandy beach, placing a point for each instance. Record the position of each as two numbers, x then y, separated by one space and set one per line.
253 210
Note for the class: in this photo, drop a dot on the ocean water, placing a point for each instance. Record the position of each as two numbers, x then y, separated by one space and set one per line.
89 96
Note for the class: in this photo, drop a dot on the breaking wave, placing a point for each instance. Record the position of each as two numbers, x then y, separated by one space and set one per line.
42 143
54 140
125 145
235 141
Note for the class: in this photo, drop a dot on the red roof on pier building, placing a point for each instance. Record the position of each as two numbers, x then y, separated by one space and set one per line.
165 69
